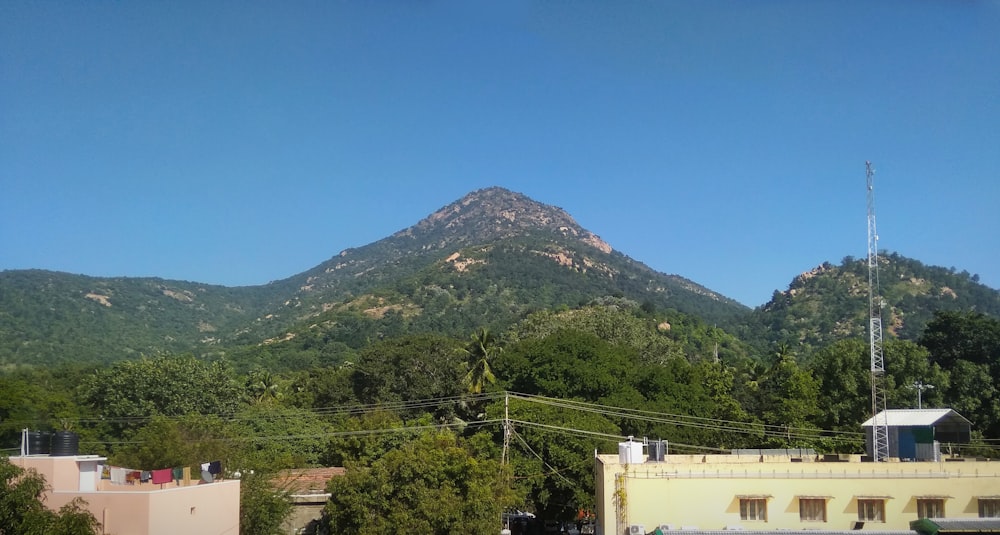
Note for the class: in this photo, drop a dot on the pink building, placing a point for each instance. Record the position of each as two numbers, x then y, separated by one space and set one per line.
189 506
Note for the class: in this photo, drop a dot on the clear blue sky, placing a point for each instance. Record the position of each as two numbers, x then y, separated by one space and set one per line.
237 143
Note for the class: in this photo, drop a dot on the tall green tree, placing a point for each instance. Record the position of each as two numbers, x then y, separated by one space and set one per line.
789 402
263 387
424 366
37 398
568 363
843 370
844 376
169 386
263 508
365 438
431 485
970 336
481 351
272 437
967 344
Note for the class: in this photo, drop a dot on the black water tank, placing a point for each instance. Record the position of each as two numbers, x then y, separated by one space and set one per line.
657 450
38 442
65 443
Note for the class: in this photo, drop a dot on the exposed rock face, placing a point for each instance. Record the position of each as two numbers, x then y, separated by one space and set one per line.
102 299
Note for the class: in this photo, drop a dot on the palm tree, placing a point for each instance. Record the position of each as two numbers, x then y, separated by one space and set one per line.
263 387
481 350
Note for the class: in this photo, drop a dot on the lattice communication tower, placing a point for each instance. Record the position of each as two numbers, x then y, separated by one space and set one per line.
880 425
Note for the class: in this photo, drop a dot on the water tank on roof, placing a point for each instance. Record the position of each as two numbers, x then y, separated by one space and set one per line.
65 444
38 442
630 452
658 450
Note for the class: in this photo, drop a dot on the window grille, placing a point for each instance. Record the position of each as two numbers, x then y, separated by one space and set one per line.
753 509
871 510
812 509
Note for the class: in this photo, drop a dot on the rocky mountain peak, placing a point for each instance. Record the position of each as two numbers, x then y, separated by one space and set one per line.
495 213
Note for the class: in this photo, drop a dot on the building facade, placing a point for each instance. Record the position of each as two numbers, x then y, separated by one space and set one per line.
758 492
186 506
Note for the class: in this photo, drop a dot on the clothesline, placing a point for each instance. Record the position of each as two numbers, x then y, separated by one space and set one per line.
128 476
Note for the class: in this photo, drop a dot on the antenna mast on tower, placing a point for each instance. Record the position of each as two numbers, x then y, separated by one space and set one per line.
880 425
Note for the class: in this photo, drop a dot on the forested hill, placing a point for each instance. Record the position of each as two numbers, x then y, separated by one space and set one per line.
830 302
50 317
487 259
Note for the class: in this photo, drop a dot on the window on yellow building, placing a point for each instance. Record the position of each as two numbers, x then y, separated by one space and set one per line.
753 509
930 508
871 509
989 507
812 509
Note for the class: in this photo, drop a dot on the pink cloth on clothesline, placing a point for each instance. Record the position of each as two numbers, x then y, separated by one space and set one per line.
163 476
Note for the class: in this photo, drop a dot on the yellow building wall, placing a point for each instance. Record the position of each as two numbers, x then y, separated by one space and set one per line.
704 492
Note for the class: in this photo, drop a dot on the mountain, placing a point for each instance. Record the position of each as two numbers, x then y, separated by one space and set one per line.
507 238
830 302
487 259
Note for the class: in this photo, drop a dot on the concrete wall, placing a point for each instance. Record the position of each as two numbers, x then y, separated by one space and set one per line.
704 491
198 509
61 473
211 509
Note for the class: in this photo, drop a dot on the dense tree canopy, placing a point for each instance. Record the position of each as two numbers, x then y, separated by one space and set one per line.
580 379
968 346
169 386
430 485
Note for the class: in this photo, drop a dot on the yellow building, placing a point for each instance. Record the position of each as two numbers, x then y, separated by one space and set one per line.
761 492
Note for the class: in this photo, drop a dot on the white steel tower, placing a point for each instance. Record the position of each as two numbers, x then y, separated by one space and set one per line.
880 427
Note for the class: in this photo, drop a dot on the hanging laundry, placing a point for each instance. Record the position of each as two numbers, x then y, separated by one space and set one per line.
165 475
215 468
178 473
145 476
117 475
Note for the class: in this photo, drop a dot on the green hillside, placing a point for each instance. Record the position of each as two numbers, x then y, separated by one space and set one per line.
830 303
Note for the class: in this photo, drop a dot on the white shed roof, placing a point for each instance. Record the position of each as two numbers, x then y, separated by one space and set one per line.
917 417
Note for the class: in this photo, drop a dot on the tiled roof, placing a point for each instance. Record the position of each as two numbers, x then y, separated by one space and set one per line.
306 480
